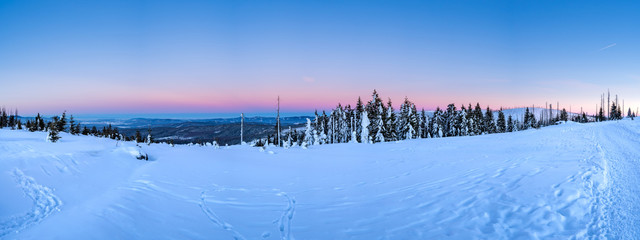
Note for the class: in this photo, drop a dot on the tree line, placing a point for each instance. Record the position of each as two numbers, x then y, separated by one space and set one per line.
57 124
376 121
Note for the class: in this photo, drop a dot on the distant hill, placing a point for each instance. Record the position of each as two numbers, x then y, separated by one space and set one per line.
181 131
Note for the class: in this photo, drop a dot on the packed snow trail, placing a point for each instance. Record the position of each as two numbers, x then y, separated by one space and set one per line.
572 181
619 144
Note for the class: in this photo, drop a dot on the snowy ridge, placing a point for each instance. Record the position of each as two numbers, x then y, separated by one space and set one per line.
44 201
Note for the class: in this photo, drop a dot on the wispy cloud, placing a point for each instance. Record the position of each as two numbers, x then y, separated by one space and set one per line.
608 46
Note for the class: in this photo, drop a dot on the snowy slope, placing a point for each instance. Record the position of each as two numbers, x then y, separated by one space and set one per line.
566 181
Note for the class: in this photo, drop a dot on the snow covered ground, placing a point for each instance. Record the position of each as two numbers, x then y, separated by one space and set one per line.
571 181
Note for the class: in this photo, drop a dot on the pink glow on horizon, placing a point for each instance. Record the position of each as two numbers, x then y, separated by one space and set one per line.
260 101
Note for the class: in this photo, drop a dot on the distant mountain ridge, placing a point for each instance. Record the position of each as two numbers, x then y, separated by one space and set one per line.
181 131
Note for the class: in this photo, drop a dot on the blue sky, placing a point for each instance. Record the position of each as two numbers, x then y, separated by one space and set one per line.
237 56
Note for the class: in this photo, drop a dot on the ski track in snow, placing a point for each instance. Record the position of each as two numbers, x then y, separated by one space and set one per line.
45 203
284 224
621 194
213 217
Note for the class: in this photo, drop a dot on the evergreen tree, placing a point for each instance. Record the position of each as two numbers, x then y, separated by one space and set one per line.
527 120
438 122
616 113
138 137
414 120
390 124
423 124
72 126
53 135
563 115
379 137
62 123
339 131
584 118
4 120
478 120
12 122
510 126
404 122
450 121
358 119
325 124
149 139
431 126
365 128
471 125
533 123
489 123
32 126
289 141
501 124
77 129
374 110
308 134
463 122
41 124
325 128
349 122
600 116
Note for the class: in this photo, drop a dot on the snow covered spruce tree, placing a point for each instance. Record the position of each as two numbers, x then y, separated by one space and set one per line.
463 122
149 139
490 124
390 123
438 122
375 109
424 133
450 121
414 120
364 136
308 134
405 127
54 133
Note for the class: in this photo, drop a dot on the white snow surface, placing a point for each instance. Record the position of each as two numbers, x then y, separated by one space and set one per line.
571 181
